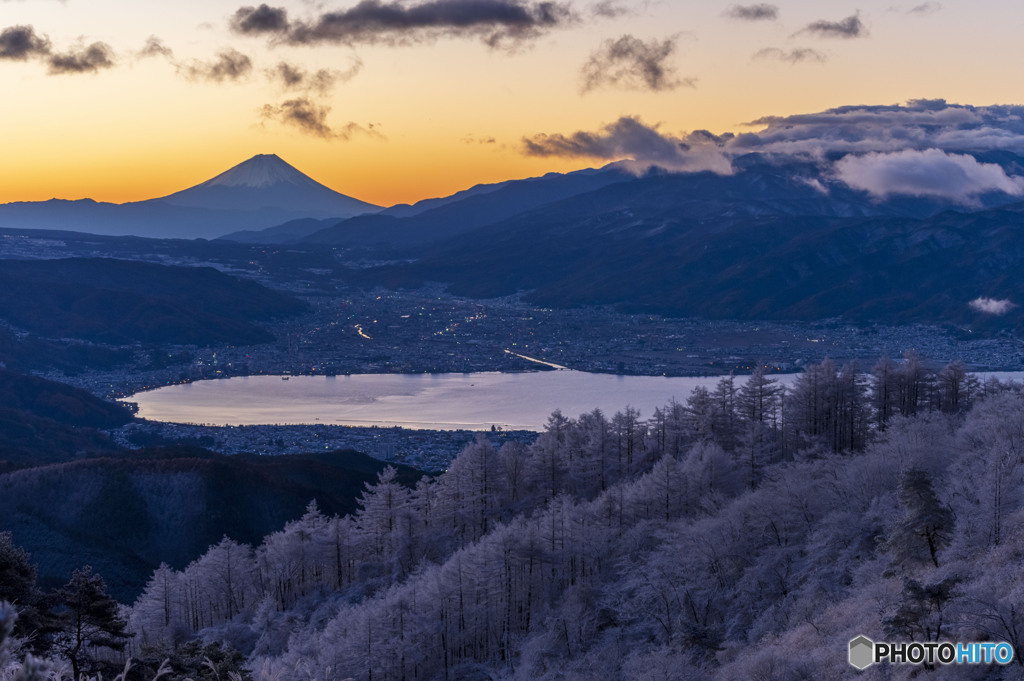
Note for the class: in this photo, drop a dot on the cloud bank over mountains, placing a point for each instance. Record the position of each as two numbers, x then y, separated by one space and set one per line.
922 148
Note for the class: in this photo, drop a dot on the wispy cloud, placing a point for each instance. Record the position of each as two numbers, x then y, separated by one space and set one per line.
310 118
759 12
794 56
499 23
631 63
850 27
21 43
925 9
229 65
320 82
155 47
611 9
473 139
86 59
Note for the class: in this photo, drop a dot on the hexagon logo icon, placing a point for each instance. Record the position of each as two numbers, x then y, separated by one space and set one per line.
862 652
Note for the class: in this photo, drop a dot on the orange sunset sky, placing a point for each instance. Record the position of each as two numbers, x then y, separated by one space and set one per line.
394 101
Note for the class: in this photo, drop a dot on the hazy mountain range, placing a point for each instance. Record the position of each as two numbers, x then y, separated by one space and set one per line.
261 192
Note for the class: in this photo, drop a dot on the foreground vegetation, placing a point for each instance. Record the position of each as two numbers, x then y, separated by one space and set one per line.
746 533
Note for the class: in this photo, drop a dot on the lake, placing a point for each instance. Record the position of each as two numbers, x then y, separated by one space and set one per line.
520 401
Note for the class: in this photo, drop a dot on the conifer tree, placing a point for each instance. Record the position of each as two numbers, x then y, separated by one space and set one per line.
90 619
926 526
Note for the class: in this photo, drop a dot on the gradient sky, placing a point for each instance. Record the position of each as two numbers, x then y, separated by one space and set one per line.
395 101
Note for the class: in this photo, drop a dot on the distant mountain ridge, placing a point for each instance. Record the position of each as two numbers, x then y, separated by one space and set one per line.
761 185
764 243
260 192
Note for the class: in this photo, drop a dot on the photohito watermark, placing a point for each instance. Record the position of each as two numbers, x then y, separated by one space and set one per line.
864 652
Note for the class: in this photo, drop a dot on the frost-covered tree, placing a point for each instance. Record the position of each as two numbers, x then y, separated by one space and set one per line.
988 481
158 617
384 521
759 405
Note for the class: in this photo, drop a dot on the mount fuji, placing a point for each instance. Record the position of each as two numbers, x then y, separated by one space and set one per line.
266 182
261 192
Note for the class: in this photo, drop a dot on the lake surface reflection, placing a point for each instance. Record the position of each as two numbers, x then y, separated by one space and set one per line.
521 401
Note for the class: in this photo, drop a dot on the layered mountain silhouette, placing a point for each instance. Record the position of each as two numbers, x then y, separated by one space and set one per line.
772 241
261 192
777 238
760 186
432 220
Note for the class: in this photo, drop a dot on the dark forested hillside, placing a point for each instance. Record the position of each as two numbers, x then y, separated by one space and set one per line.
126 513
60 402
119 301
46 422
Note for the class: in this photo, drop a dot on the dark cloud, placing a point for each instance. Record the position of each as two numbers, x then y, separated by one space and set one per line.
629 138
760 12
262 19
499 23
794 56
850 27
230 64
304 114
21 42
155 48
88 59
321 81
633 64
925 9
311 118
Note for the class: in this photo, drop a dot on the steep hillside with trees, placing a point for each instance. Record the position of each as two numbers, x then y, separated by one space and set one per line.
127 512
748 532
45 422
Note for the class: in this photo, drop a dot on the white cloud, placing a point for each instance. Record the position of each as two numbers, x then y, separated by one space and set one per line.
992 306
931 172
